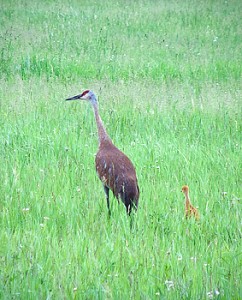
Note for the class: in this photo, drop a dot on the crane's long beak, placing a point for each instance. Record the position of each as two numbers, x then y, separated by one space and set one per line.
77 97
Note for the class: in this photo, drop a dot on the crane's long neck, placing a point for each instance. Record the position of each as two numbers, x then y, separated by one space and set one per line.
187 198
102 134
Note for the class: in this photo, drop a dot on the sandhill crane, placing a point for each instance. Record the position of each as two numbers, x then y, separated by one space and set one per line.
113 167
189 209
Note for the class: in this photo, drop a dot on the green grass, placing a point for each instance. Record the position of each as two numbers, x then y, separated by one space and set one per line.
168 78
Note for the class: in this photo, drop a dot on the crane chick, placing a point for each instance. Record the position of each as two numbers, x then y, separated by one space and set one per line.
113 167
189 209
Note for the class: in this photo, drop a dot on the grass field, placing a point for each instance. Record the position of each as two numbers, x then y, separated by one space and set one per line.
168 78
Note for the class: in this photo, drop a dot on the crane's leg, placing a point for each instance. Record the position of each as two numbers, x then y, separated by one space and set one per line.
129 208
106 190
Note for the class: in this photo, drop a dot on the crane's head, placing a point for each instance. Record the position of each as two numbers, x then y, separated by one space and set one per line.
86 95
185 188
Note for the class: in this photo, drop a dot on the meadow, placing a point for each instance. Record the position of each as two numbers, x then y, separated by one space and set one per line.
168 78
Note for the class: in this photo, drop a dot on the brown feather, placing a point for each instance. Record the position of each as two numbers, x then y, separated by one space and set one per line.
117 172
